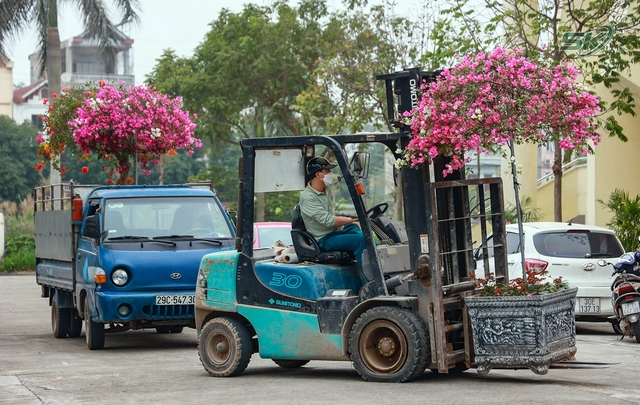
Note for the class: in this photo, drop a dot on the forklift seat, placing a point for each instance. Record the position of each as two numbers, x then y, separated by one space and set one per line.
307 247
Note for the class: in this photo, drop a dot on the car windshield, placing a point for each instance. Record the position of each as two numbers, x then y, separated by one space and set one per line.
268 236
164 217
577 244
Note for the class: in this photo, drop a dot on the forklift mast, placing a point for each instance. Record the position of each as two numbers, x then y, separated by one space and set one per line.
439 216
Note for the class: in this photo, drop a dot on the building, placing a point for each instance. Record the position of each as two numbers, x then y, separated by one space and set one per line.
81 63
6 86
586 180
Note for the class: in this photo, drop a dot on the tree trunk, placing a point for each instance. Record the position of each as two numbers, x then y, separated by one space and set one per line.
557 183
123 162
53 68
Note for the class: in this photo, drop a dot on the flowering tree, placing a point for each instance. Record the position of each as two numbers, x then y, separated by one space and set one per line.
489 100
118 125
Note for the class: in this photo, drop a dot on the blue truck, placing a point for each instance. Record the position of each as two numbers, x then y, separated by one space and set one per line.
116 258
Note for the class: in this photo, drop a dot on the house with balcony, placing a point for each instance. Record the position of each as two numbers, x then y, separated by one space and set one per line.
82 62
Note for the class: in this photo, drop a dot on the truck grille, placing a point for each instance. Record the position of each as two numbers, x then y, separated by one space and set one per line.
168 311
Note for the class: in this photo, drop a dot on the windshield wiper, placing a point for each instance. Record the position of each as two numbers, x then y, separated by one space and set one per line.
128 237
216 241
172 237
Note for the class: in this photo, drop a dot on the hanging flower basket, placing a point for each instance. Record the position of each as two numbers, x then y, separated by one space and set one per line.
116 124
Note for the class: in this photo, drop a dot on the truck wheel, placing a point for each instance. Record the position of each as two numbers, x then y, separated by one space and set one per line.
94 332
389 344
163 329
636 330
290 363
75 324
176 329
224 347
60 320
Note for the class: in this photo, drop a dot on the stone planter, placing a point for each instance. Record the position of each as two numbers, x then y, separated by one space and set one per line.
523 332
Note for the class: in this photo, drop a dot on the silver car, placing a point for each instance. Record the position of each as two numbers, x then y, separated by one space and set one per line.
570 251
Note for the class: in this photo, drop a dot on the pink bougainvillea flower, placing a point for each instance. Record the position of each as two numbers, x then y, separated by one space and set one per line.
488 100
118 125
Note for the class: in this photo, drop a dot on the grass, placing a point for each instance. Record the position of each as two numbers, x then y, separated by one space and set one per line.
20 252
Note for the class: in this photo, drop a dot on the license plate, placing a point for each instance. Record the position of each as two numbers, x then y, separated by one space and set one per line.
589 305
630 307
175 299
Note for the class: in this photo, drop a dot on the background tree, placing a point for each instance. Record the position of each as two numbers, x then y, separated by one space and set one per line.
18 156
538 27
289 71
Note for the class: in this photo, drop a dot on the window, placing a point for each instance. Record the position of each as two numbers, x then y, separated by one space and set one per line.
44 93
577 244
513 245
36 120
162 216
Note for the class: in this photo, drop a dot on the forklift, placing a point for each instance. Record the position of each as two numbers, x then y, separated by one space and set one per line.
402 313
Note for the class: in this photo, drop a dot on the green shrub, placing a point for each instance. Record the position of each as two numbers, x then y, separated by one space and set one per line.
19 254
626 217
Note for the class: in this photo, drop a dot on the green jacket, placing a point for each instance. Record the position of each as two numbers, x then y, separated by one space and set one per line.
317 212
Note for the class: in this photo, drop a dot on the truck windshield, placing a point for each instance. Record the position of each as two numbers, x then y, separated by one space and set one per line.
164 217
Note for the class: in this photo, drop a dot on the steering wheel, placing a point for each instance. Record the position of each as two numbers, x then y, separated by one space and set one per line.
377 210
198 231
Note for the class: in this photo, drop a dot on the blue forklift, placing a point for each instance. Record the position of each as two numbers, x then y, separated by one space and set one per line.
403 313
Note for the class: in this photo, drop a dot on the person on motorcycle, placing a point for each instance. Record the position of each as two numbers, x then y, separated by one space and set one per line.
333 233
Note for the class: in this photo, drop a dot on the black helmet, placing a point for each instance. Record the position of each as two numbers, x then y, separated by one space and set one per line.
317 164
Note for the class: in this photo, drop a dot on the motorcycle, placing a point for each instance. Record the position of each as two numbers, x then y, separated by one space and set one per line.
625 293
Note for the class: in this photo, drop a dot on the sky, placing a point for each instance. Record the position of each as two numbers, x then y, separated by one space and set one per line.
177 24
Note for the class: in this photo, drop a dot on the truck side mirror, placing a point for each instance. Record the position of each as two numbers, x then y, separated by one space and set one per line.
92 227
360 165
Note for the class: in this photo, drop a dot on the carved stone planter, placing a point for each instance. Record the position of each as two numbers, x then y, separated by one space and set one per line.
523 332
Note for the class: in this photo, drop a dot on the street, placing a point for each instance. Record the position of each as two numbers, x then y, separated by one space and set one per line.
146 367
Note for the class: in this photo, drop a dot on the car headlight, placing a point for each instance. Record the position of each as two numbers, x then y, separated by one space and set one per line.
119 277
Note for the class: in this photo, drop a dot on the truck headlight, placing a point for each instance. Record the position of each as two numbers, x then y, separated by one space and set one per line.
119 277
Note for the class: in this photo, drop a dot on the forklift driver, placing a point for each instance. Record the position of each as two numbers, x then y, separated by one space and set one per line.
333 233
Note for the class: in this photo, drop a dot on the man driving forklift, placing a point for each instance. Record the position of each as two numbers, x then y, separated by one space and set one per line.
333 233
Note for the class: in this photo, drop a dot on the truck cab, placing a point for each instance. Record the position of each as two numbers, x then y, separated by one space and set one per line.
129 260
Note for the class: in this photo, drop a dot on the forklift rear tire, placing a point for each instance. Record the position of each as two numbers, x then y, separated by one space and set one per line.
224 347
389 344
94 332
75 324
60 320
290 363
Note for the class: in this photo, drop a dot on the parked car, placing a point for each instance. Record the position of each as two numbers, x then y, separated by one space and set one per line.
265 234
570 251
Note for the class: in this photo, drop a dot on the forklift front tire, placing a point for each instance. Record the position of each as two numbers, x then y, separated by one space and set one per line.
389 344
224 347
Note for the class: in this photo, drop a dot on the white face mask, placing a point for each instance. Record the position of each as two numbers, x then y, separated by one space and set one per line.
328 178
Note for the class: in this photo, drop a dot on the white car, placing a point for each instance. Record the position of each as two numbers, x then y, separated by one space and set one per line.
570 251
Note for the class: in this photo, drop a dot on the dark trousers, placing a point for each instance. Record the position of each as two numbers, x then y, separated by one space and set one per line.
349 239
